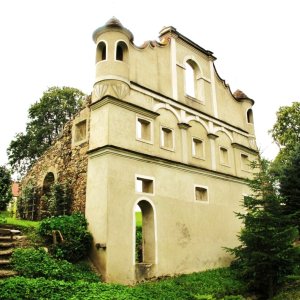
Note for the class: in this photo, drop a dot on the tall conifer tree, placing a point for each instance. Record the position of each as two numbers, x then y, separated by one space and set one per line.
266 254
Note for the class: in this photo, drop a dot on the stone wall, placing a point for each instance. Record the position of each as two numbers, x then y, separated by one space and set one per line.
67 162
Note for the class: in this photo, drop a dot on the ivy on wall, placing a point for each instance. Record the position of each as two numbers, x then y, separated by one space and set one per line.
34 204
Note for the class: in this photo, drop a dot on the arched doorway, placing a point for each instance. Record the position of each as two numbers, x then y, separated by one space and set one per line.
145 233
145 239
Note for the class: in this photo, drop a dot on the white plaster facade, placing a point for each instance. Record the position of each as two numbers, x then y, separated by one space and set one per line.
182 158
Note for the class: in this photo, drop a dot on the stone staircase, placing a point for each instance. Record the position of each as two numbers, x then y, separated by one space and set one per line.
8 240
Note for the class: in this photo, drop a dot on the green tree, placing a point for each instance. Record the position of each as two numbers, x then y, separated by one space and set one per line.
46 120
286 133
266 254
290 185
5 187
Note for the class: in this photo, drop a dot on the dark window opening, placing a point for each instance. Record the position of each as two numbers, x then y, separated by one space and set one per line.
119 55
101 52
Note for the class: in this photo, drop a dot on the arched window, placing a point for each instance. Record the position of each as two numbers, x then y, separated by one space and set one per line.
189 80
48 182
121 51
101 52
192 74
250 116
145 233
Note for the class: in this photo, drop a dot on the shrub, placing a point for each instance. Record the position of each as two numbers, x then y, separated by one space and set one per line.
77 240
34 263
139 244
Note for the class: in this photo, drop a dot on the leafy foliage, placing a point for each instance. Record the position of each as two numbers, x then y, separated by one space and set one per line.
217 284
266 254
77 239
286 130
290 186
34 263
46 120
286 133
57 201
27 203
138 244
5 187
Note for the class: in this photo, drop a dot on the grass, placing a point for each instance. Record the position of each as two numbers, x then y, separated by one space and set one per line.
138 217
17 222
214 284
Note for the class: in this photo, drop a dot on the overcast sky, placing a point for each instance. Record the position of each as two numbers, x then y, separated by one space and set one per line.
49 43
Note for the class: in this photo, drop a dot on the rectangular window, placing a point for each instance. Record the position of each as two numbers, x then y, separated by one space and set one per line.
144 185
245 162
80 131
144 129
224 158
198 148
167 138
201 193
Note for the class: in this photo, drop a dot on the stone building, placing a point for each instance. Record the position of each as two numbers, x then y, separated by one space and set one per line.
164 134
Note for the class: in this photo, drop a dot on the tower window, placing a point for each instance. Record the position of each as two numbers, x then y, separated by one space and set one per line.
250 116
121 51
119 55
101 52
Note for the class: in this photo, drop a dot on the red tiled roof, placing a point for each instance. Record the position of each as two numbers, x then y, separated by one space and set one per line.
15 189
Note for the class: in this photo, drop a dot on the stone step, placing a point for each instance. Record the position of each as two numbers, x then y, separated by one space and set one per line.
7 244
5 239
7 273
4 263
6 252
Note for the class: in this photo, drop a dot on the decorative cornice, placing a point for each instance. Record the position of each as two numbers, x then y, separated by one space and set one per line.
244 148
130 106
184 126
212 136
179 105
115 150
173 32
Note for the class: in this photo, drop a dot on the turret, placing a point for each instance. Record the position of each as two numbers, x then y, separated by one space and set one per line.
112 60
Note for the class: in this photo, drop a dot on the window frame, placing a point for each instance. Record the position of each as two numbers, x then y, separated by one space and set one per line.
226 164
146 178
203 187
162 127
243 166
100 59
140 139
194 154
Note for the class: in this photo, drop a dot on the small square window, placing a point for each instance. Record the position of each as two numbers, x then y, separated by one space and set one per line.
144 185
224 157
167 138
245 162
143 129
201 194
198 148
80 131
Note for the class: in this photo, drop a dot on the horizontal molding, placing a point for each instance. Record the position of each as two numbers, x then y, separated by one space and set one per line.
244 148
124 104
147 158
